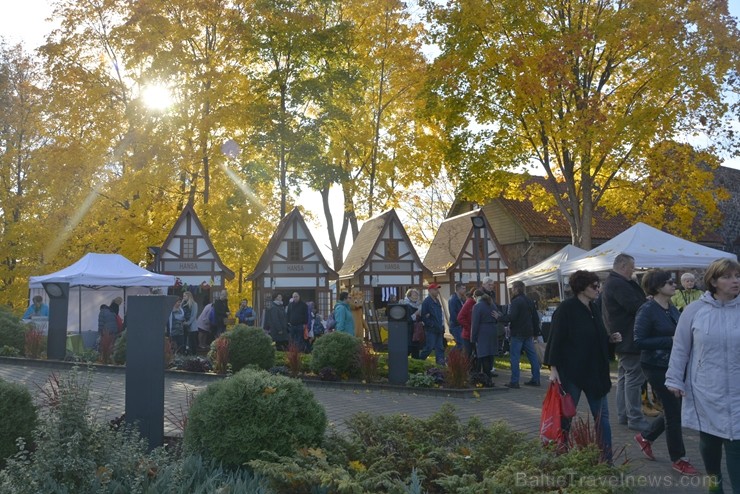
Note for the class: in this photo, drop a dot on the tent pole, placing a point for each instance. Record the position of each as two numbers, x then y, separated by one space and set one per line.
79 309
561 288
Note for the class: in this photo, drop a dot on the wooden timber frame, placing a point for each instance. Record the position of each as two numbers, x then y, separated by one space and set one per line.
381 262
292 262
188 254
452 255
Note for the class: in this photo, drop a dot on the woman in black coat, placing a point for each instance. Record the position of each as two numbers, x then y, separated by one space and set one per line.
578 353
484 332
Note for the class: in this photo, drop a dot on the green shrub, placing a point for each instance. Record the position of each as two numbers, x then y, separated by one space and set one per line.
18 417
250 346
12 330
194 475
237 419
75 452
336 350
420 381
9 351
441 454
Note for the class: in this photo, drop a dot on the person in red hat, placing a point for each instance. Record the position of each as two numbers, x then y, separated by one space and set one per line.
434 325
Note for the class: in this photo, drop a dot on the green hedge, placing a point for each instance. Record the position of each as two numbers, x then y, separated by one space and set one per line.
235 420
249 346
18 417
336 350
12 330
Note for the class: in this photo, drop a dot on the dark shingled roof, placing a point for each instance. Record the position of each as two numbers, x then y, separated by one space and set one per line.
367 240
449 242
277 237
539 224
604 227
729 178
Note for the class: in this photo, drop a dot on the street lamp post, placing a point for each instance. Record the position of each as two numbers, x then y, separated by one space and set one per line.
478 223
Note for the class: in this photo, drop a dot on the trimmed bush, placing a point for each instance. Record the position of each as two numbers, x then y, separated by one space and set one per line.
250 346
12 330
236 420
336 350
18 417
74 452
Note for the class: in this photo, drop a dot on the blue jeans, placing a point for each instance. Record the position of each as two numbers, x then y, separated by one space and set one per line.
456 332
600 412
516 351
434 343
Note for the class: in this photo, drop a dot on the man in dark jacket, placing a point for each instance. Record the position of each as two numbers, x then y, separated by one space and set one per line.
524 322
621 297
455 305
434 325
297 319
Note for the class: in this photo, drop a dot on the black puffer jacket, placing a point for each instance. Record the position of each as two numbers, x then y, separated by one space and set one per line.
654 330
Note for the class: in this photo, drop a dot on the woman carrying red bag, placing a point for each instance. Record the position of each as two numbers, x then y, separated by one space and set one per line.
578 354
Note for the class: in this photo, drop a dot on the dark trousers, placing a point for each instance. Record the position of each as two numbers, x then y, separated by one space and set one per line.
485 364
670 420
468 350
192 348
178 341
710 448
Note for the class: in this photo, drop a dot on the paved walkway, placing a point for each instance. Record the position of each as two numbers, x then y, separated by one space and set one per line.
520 409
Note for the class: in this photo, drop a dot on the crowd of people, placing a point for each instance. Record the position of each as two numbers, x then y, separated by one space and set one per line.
684 343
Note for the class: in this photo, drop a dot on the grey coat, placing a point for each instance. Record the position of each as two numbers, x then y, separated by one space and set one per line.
705 365
484 332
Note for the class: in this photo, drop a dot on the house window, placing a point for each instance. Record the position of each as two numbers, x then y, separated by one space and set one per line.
391 250
295 253
188 248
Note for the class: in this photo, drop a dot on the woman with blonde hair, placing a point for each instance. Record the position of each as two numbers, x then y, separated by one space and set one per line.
704 369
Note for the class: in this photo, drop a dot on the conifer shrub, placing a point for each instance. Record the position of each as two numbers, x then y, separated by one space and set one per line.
18 417
240 418
336 350
250 346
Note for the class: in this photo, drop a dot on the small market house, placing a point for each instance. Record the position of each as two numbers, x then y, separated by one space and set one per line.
189 255
382 262
465 250
292 262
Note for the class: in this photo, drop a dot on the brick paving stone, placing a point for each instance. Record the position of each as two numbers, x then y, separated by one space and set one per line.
520 409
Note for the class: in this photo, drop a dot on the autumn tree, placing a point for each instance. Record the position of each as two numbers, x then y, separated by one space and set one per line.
368 88
583 90
22 182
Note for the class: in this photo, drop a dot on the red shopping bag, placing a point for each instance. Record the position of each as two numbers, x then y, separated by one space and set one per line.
567 404
551 428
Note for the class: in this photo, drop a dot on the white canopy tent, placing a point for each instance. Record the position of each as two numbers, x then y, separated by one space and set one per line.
651 248
99 278
547 271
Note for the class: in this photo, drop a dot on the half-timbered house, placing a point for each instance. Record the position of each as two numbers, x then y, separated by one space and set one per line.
465 250
383 262
292 262
188 254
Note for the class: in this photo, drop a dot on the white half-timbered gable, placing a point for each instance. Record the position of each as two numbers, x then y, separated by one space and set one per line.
292 262
382 261
188 254
462 253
